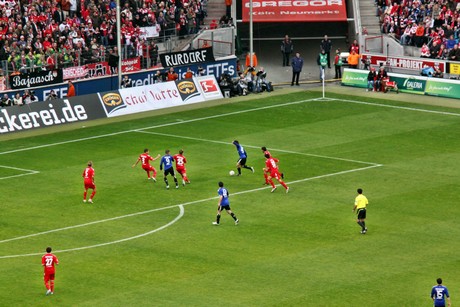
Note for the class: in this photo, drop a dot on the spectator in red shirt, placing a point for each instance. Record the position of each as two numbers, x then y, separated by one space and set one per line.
172 75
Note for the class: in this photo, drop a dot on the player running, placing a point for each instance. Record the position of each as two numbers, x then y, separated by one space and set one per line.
224 204
243 156
272 169
180 166
266 174
167 161
146 158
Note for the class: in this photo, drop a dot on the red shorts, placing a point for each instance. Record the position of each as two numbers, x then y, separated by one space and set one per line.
181 170
48 276
90 185
148 168
275 174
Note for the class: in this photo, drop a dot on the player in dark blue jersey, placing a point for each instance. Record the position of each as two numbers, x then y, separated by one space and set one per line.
167 161
241 163
223 204
439 294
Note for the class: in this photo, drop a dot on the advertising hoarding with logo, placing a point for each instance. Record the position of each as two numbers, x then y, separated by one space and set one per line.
159 96
209 87
354 77
407 83
443 88
296 11
37 78
50 113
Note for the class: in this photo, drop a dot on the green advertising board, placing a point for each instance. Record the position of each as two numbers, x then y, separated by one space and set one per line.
409 84
443 88
355 77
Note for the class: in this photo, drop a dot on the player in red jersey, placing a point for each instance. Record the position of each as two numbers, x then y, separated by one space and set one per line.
180 166
88 175
146 158
267 174
272 168
49 260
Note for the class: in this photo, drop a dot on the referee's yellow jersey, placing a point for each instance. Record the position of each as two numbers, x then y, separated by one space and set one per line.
361 201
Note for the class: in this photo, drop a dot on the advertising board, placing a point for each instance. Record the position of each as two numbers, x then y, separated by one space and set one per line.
50 113
140 78
295 10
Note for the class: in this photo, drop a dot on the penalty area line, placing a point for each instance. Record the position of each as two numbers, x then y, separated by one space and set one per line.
177 218
257 147
182 210
27 172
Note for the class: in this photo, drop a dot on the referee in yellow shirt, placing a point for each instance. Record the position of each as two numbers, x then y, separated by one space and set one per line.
361 203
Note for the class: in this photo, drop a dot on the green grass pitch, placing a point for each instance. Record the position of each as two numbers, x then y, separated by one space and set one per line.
142 245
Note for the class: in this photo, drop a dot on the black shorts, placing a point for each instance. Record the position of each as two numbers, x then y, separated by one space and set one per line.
170 171
361 213
225 207
242 161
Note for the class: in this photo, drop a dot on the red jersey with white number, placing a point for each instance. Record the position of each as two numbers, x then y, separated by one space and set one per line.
145 159
271 165
180 162
48 262
88 174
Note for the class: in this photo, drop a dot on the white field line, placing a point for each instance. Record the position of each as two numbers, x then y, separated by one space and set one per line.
252 146
373 165
27 172
391 106
226 114
152 127
181 206
181 214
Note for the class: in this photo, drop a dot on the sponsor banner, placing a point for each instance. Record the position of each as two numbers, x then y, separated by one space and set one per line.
188 91
187 57
406 83
50 113
209 87
147 98
209 69
443 88
160 95
453 68
140 78
295 10
409 84
355 77
38 78
409 63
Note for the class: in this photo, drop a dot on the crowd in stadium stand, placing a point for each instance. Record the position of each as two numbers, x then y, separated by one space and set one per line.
432 25
49 34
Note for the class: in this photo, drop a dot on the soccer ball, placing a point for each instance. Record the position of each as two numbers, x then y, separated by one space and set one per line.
231 173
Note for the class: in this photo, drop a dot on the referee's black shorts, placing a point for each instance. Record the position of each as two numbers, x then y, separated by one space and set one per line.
361 213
